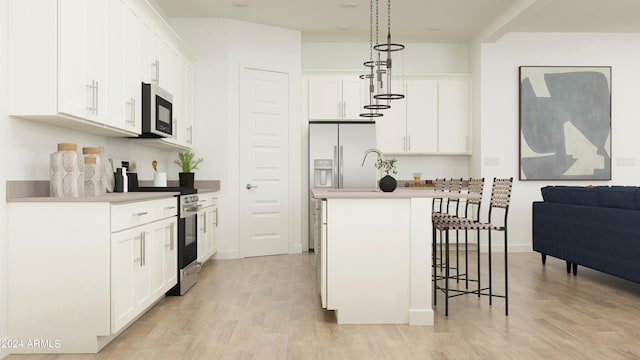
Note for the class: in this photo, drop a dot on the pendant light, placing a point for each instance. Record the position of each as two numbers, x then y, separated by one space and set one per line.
371 75
388 48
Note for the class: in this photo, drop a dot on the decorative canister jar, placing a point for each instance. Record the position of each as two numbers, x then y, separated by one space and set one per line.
94 174
66 172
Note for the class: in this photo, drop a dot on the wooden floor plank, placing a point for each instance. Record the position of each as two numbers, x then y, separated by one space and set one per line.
268 308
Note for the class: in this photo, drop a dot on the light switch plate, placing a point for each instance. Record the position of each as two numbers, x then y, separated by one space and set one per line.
491 161
625 161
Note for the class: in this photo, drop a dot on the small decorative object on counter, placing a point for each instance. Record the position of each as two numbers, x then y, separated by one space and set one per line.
188 163
66 172
416 177
96 178
387 183
121 180
93 185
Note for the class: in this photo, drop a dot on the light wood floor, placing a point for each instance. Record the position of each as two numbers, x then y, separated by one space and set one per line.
268 308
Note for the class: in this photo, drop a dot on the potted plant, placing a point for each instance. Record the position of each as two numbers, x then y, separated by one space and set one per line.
188 163
387 183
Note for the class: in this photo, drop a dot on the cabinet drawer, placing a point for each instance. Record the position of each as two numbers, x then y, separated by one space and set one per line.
208 199
124 216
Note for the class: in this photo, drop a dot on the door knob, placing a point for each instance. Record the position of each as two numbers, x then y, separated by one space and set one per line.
249 186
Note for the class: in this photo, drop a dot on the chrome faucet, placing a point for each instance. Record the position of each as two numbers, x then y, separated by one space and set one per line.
369 151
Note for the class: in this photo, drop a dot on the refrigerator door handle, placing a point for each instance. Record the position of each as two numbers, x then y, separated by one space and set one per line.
335 167
341 184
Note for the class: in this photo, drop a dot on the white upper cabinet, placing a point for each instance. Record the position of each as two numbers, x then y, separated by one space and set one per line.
434 118
80 64
336 97
82 53
124 72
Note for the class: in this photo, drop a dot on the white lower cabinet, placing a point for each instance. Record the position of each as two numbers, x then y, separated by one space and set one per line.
88 269
143 268
207 226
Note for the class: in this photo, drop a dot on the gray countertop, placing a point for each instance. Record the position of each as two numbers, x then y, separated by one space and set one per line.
38 191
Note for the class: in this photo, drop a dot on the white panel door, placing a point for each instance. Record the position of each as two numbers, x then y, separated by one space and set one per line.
264 158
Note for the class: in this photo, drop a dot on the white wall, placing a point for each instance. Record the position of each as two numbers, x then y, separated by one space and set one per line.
222 46
499 112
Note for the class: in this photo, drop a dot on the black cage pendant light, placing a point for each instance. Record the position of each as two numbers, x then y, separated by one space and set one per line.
388 48
372 74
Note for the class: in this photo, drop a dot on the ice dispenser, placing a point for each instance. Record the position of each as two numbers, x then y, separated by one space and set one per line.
323 173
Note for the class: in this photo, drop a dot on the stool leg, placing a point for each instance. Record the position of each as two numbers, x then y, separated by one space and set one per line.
457 258
506 279
466 259
446 278
478 254
433 256
490 281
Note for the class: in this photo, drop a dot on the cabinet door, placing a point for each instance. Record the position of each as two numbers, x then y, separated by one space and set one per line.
163 255
353 97
130 285
422 116
124 72
324 98
170 240
75 94
454 96
202 244
391 128
82 53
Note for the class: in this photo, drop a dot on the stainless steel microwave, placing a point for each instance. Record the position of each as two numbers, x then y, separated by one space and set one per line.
157 111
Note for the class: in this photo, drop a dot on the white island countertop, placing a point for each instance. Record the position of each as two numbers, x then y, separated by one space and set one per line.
398 193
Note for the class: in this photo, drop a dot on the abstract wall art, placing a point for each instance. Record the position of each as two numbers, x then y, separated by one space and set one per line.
565 123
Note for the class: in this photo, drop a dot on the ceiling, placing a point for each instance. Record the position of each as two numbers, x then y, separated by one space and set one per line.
419 20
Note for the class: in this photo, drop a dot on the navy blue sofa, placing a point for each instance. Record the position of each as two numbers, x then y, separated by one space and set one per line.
597 227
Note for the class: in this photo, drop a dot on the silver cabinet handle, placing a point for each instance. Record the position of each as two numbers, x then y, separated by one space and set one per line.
249 186
141 213
341 183
97 106
133 111
205 222
171 238
156 65
335 167
409 143
216 210
144 248
90 89
141 249
344 109
190 134
169 207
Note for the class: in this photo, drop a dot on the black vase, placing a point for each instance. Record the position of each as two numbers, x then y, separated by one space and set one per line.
186 179
388 183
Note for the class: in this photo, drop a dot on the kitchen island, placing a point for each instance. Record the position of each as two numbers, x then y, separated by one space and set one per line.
375 255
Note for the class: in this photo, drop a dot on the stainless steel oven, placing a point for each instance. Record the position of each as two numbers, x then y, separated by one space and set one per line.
188 266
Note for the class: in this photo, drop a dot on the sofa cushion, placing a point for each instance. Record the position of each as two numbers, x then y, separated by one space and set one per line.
619 197
588 196
556 194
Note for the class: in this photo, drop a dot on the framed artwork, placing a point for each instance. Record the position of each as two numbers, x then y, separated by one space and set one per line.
565 123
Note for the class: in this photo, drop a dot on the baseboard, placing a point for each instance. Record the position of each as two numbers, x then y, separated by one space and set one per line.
226 254
296 249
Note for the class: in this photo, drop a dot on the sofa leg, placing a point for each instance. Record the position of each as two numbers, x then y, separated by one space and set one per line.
568 267
575 269
544 259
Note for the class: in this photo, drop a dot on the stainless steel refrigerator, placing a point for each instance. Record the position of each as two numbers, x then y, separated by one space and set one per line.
336 150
